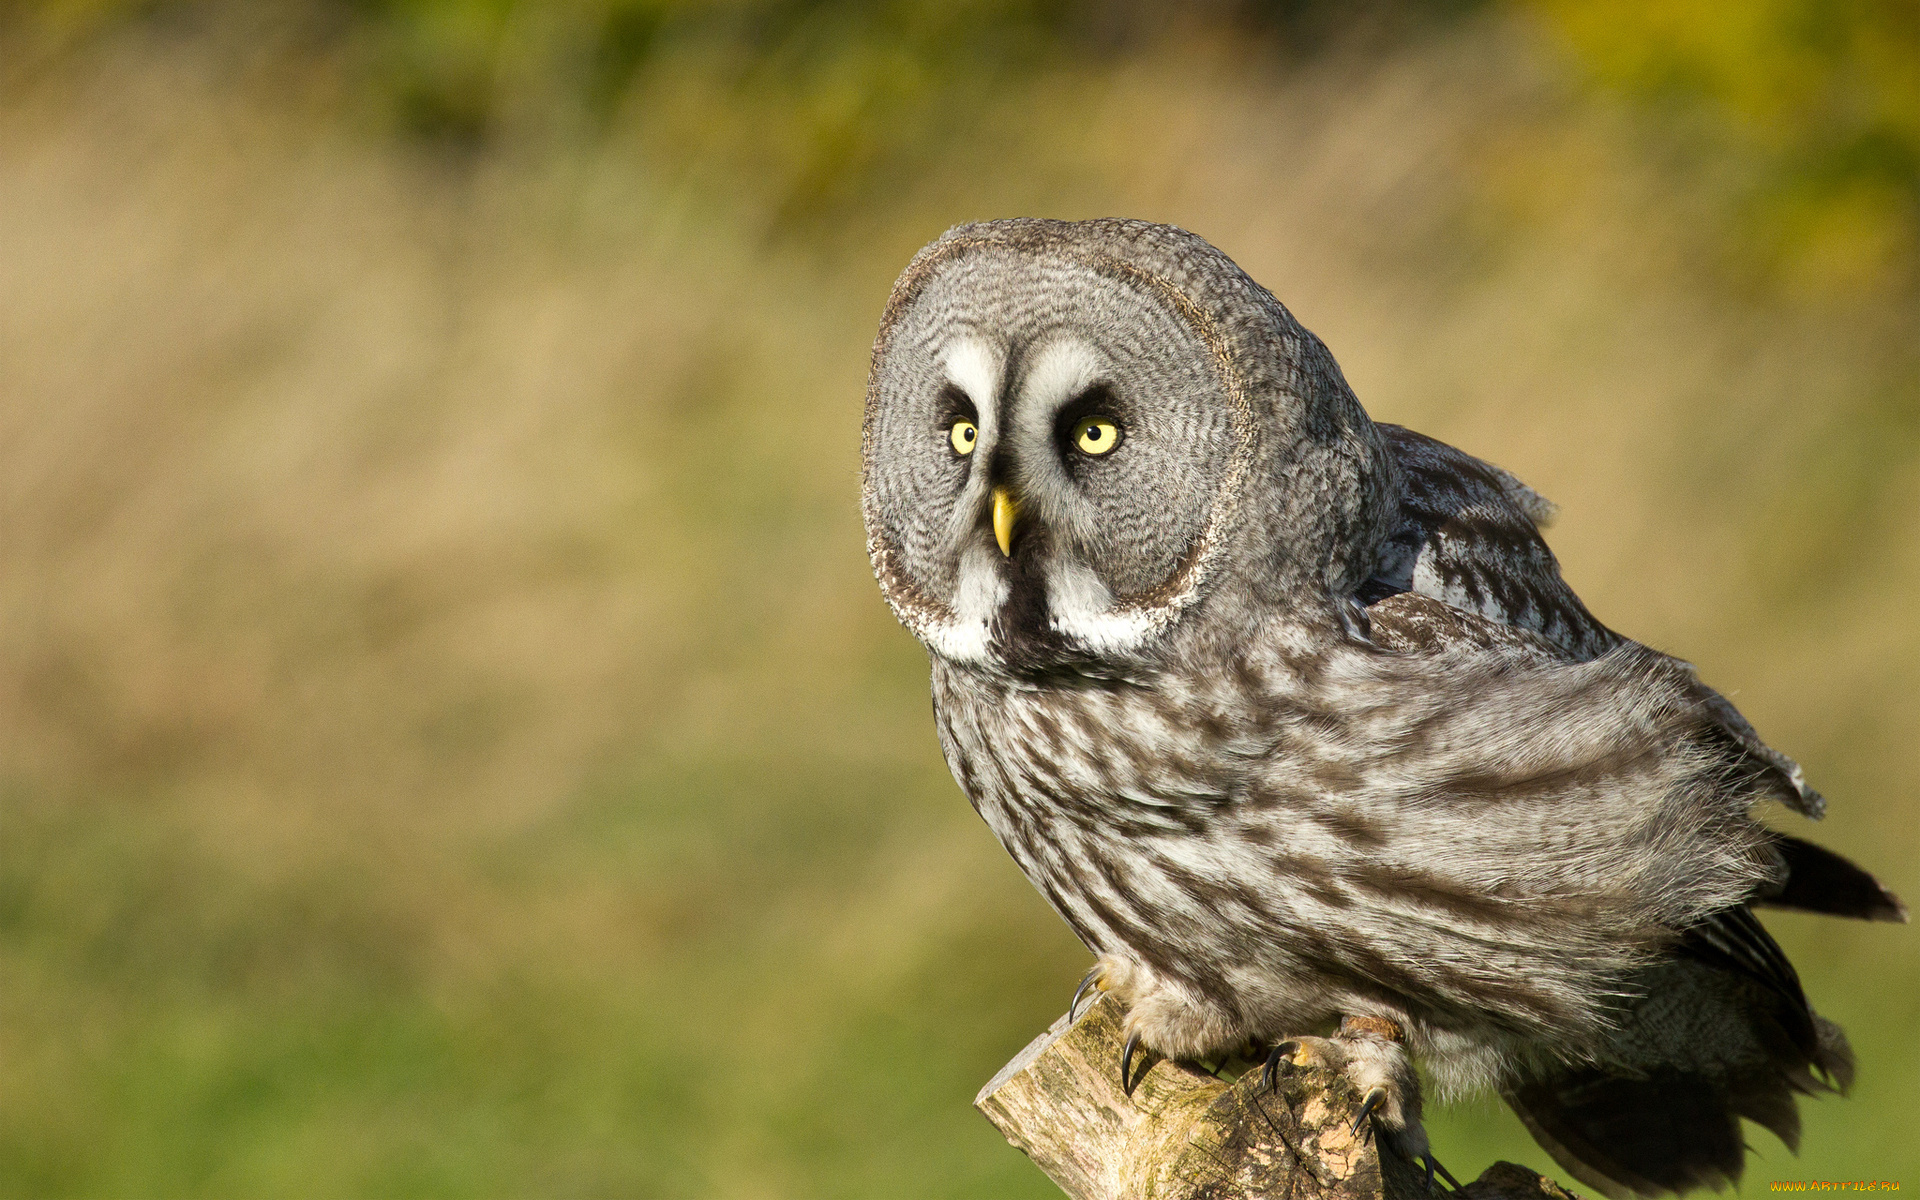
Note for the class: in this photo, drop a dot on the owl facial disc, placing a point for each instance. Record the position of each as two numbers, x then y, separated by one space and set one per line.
1049 440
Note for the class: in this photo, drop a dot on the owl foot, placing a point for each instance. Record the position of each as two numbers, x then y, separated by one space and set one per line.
1126 1064
1095 979
1370 1053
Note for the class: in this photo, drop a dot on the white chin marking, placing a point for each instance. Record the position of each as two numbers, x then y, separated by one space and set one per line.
1082 610
958 641
982 591
980 594
1109 633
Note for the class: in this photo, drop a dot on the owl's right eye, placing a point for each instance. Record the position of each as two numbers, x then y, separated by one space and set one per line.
963 435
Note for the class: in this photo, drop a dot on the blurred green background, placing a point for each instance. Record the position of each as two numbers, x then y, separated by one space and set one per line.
453 745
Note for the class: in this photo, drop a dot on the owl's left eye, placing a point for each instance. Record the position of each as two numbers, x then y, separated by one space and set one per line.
1096 435
963 435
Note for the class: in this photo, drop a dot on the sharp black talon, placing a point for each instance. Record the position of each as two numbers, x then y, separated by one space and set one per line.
1270 1074
1367 1106
1428 1160
1126 1064
1434 1164
1086 981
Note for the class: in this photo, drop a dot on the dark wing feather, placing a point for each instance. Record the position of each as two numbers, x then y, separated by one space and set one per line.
1722 1032
1624 1136
1733 940
1468 535
1791 788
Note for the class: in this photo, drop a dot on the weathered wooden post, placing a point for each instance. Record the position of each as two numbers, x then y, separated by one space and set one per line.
1185 1134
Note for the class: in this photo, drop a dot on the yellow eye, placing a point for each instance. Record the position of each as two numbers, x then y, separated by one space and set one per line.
963 435
1096 435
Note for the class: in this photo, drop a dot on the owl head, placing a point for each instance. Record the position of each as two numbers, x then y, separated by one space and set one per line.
1084 439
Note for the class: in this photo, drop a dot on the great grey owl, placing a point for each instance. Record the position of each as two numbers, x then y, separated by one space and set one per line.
1291 717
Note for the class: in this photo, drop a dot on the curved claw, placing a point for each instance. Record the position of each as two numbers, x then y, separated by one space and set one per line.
1433 1164
1372 1101
1126 1064
1086 981
1270 1073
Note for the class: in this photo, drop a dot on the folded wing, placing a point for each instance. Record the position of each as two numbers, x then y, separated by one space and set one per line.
1718 1028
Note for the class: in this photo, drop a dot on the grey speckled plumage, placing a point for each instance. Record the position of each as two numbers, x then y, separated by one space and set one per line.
1291 717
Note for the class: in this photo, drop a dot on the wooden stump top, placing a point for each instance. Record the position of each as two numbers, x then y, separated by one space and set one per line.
1185 1133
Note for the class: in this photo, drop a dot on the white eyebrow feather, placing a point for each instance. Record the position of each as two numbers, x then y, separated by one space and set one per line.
1060 371
974 367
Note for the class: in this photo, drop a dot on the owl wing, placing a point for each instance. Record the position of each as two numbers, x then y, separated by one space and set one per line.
1723 1030
1469 537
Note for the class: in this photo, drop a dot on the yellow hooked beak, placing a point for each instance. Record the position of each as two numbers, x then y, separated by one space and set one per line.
1006 510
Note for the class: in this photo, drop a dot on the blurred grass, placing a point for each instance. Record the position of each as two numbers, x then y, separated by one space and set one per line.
453 744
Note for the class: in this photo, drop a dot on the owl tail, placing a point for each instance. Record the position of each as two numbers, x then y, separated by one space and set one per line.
1721 1031
1815 879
